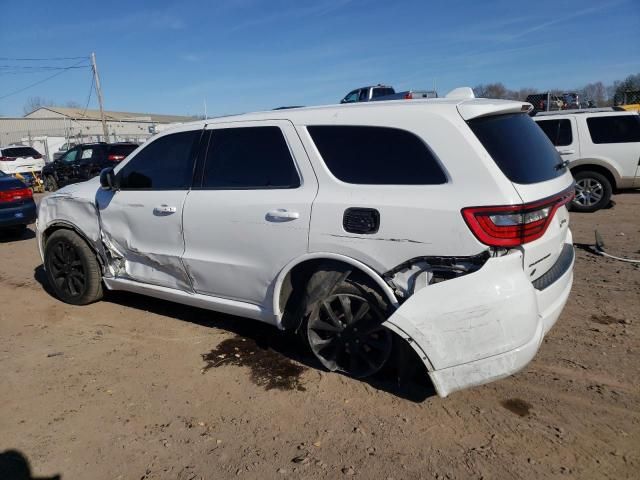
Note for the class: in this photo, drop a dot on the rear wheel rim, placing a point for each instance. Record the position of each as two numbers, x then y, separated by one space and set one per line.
67 270
345 333
589 192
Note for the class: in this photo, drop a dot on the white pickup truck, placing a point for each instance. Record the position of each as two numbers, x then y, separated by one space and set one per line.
375 93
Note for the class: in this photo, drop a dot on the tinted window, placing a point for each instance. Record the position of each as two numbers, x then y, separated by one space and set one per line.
70 156
165 164
380 92
558 131
250 157
121 149
519 147
19 152
351 97
364 94
615 129
376 156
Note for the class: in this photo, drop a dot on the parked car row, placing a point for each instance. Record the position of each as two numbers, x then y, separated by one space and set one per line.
438 225
83 162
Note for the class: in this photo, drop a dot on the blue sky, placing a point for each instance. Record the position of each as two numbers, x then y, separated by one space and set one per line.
242 55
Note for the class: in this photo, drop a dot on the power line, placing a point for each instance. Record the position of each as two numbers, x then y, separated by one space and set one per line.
40 67
42 59
93 79
41 81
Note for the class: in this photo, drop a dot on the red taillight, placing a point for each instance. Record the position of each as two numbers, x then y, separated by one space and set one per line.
7 159
513 225
408 96
15 195
115 158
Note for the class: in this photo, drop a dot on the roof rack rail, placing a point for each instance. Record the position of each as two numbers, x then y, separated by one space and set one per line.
572 111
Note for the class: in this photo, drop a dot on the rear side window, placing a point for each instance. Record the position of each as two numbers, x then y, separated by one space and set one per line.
519 147
165 164
249 158
376 155
381 92
19 152
558 131
614 129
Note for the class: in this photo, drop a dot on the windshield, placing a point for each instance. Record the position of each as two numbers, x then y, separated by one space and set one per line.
519 147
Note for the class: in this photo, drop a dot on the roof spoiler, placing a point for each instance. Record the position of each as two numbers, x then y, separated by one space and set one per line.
461 93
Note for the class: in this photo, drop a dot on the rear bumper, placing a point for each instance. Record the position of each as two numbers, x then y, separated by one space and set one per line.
18 215
485 325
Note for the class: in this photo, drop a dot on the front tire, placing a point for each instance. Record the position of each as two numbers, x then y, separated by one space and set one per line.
344 330
50 184
72 268
593 191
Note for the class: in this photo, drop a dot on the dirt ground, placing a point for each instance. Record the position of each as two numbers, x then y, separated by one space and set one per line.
136 388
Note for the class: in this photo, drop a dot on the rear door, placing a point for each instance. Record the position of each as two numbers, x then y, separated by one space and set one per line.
617 138
529 160
141 222
562 132
250 215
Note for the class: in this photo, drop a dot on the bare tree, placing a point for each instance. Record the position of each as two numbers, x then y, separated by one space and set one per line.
34 103
72 104
595 92
491 90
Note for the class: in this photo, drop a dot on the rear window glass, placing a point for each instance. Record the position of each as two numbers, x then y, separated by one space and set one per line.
19 152
519 147
376 155
614 129
121 149
558 131
381 92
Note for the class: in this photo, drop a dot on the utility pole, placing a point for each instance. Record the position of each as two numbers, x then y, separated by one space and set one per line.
96 77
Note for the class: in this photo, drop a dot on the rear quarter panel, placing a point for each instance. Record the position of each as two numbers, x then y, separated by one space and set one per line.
414 220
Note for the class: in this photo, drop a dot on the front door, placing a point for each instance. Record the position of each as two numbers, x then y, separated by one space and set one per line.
141 222
250 215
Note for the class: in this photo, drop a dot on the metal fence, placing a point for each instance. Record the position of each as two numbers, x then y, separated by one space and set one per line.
547 102
627 98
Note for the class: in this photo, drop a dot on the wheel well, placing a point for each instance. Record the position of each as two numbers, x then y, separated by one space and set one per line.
54 228
599 169
296 280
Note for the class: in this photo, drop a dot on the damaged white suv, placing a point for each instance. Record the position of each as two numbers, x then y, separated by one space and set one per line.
442 223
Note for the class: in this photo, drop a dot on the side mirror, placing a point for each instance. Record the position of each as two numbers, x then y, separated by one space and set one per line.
108 179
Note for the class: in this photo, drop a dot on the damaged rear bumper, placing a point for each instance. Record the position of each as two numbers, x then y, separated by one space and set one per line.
485 325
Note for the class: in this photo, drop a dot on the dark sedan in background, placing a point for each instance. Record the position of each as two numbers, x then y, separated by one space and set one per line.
83 162
17 208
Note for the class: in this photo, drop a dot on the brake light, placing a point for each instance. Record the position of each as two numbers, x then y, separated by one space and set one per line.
7 159
513 225
408 96
115 158
15 195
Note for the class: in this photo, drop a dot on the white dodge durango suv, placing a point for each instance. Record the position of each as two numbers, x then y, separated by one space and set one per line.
440 223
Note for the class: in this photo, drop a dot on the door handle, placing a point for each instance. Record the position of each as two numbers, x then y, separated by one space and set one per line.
164 210
567 152
282 215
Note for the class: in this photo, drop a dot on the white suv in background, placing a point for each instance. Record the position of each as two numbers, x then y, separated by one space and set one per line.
20 159
602 147
439 224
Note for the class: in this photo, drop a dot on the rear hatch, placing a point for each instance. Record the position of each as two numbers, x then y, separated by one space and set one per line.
527 158
13 192
20 160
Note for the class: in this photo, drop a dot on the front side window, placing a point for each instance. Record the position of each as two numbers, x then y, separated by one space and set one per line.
351 97
165 164
70 156
249 158
558 131
614 129
376 155
364 94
